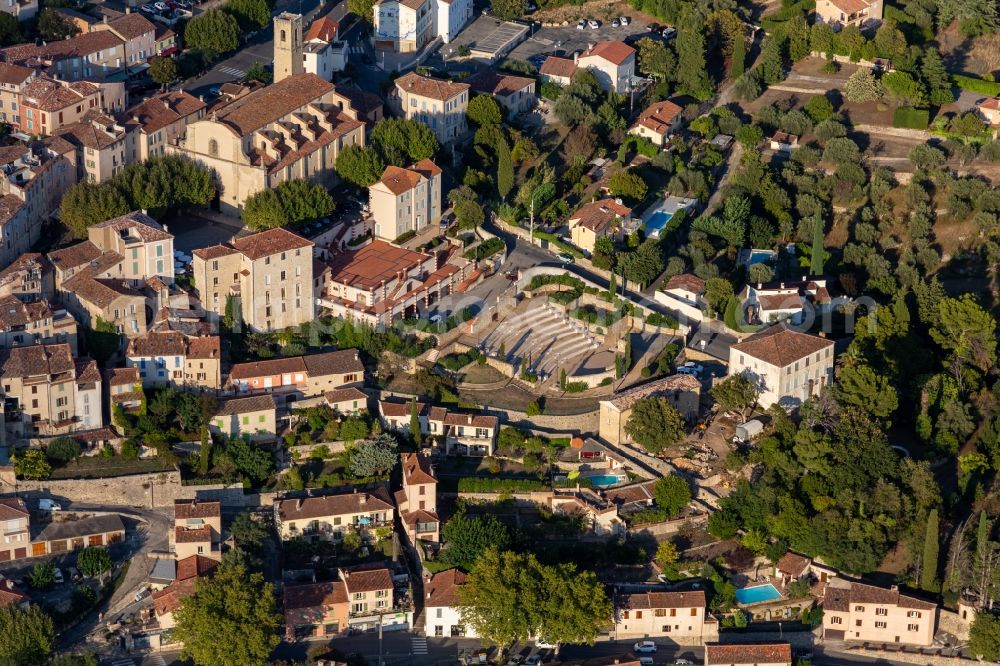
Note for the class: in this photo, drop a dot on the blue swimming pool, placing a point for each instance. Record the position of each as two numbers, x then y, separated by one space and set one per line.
759 256
656 223
603 480
757 594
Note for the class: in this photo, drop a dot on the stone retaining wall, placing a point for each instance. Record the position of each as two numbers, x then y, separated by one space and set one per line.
157 489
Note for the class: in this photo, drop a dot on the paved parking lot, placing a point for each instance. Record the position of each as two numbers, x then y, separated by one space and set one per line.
569 39
488 36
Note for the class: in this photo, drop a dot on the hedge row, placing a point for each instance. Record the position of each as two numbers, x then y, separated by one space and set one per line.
910 118
476 484
976 85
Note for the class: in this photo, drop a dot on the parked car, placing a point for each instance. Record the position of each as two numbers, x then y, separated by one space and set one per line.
615 23
683 662
565 258
668 32
646 661
696 367
74 574
161 6
142 593
214 91
581 24
516 660
58 577
148 8
533 660
594 24
645 647
655 28
48 505
624 20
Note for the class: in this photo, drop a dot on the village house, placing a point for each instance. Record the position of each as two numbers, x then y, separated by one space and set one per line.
136 31
82 22
189 571
683 294
270 273
682 391
657 122
417 500
594 220
370 590
90 55
34 323
597 516
315 610
788 367
294 128
11 596
34 179
436 103
16 521
381 283
322 53
406 199
454 432
101 144
452 16
515 94
794 301
253 416
347 401
403 26
173 359
858 612
748 654
22 10
442 606
125 265
124 389
783 142
48 105
328 517
841 13
294 377
160 120
558 70
678 616
197 529
48 392
989 109
613 63
29 278
13 80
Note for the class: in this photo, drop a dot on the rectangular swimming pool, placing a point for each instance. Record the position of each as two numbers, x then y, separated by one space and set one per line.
656 223
604 480
757 594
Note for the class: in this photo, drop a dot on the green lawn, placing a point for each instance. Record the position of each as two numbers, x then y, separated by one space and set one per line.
99 467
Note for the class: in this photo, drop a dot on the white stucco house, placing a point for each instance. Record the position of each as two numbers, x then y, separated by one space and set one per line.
441 604
788 366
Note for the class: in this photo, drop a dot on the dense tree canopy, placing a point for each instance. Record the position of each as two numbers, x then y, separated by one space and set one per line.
290 204
215 32
403 142
468 537
27 637
655 424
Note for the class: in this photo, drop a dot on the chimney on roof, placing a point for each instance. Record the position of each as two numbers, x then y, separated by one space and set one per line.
822 334
576 57
128 10
298 504
104 19
364 499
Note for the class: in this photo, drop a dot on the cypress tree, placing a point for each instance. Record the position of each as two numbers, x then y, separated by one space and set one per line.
928 574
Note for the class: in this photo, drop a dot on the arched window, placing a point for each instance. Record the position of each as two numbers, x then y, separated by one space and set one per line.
282 35
213 147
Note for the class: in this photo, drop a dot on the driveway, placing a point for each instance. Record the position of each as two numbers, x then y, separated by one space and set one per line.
569 39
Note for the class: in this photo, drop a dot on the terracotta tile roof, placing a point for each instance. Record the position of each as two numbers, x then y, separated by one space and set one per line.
29 261
37 360
772 302
14 312
14 74
686 282
13 508
10 206
185 508
192 535
362 101
322 29
992 103
643 600
442 588
254 403
626 399
205 347
87 372
195 566
46 94
101 292
420 516
98 132
320 506
631 494
398 180
850 6
338 362
366 578
399 408
351 393
12 597
74 255
780 346
474 420
161 110
214 251
659 116
747 653
145 228
793 564
157 344
424 86
78 46
314 595
842 594
270 242
268 367
613 51
556 66
132 26
122 376
417 469
599 215
377 262
491 82
270 103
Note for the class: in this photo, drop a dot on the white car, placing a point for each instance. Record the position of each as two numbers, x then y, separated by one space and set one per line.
48 505
646 647
683 662
697 368
581 24
161 6
624 20
565 258
594 25
616 23
58 576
